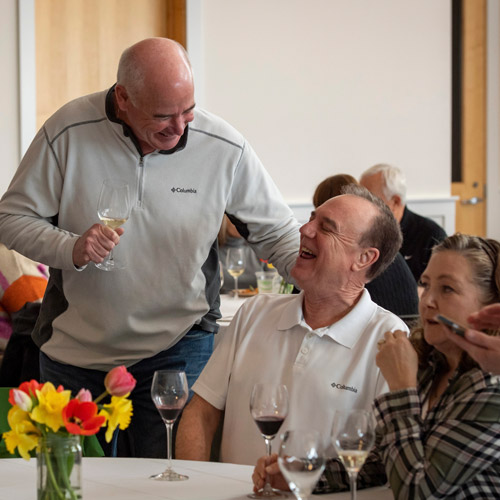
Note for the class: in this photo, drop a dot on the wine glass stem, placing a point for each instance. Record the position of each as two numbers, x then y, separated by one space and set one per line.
352 480
267 487
110 256
170 426
236 287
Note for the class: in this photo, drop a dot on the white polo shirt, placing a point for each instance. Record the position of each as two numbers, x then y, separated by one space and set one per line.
325 369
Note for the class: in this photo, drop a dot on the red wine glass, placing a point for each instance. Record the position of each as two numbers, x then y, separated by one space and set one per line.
269 408
169 392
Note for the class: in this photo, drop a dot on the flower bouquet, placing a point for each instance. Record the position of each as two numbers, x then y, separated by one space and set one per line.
49 419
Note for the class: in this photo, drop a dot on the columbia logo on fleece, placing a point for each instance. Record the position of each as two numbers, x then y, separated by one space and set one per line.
343 387
183 190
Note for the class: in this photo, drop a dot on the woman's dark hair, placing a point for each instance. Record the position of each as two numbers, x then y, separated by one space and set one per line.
330 187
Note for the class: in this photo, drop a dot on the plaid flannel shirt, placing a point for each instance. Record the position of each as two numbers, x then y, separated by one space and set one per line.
454 452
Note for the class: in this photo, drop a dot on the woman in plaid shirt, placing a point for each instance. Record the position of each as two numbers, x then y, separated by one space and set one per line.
438 429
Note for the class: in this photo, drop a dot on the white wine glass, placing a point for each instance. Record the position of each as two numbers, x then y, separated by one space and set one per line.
353 436
269 408
113 210
301 461
169 392
221 274
235 265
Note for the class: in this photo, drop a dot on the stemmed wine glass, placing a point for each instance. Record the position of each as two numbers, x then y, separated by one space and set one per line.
353 436
235 265
221 273
301 461
269 408
113 210
169 392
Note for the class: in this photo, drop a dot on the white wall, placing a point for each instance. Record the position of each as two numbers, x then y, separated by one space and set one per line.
364 82
9 94
328 86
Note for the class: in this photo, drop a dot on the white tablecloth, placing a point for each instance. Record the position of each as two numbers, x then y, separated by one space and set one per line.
228 307
128 479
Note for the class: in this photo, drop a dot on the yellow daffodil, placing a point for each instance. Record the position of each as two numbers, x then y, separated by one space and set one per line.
118 414
50 405
23 434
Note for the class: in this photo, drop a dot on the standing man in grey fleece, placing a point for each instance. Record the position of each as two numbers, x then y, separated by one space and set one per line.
185 168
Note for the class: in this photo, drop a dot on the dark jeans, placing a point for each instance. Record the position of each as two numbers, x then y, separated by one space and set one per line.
146 435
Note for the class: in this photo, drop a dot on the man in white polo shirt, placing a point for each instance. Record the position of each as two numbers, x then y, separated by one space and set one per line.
321 343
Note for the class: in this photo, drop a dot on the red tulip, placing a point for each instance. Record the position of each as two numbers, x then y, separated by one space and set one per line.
29 388
119 381
81 417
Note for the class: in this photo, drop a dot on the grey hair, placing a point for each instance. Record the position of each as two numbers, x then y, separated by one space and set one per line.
394 180
384 233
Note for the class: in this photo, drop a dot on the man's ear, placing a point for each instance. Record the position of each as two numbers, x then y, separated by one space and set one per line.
396 200
366 258
121 97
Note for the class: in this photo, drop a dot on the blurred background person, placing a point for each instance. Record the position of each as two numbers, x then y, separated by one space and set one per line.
22 286
229 237
420 233
395 289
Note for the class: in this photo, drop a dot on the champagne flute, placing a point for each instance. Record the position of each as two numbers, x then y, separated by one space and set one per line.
113 210
235 265
353 436
269 408
169 392
301 461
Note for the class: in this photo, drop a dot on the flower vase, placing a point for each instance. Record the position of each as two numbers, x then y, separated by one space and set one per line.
59 462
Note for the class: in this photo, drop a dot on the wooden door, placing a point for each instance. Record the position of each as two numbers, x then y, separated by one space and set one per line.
79 43
471 207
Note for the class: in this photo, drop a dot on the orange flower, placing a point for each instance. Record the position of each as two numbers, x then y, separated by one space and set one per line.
80 417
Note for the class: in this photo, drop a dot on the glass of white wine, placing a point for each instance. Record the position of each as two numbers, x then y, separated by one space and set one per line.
353 436
235 265
113 210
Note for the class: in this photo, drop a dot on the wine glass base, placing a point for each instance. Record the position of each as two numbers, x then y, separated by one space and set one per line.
268 494
104 266
169 475
110 265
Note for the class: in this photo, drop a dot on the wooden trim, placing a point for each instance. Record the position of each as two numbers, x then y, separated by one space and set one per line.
471 219
176 21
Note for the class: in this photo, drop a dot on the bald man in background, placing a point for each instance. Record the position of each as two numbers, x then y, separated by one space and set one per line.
420 233
185 168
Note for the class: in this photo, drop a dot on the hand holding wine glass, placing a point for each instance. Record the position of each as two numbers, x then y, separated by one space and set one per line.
235 265
353 436
301 461
169 392
269 408
113 210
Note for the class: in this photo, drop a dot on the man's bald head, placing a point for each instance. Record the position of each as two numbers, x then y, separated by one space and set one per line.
152 66
154 94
